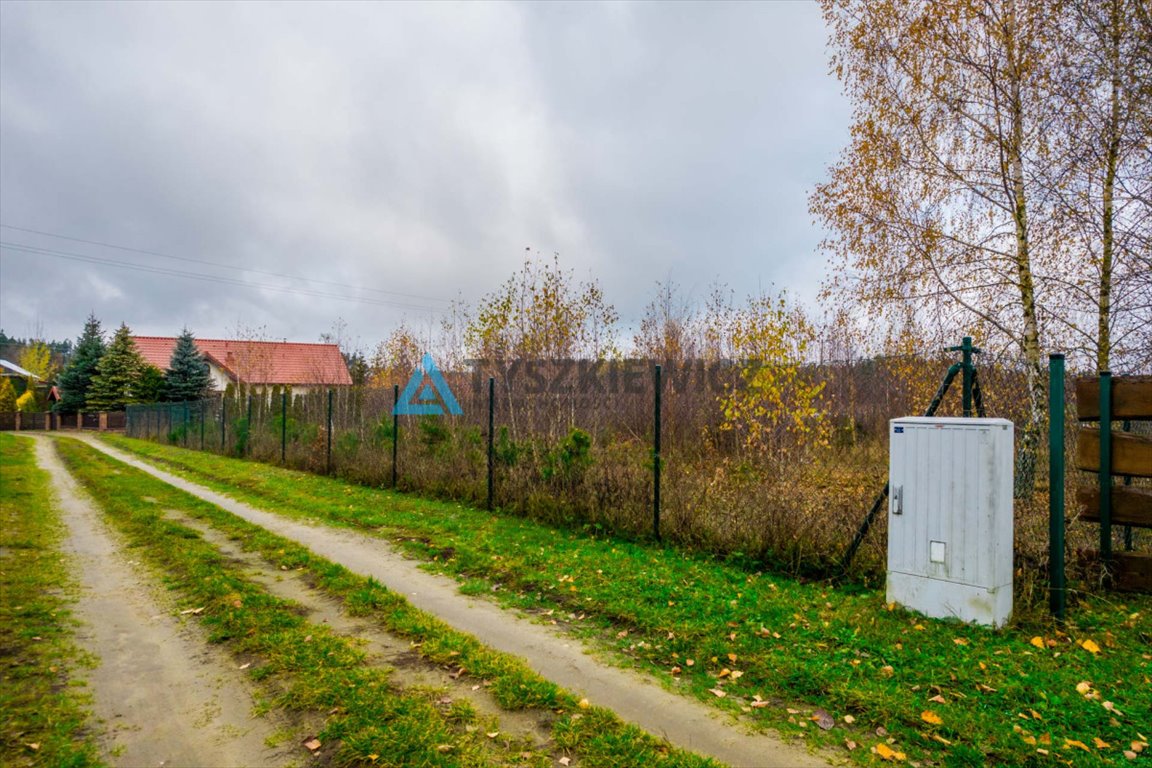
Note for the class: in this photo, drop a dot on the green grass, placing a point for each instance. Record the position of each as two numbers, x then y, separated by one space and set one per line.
40 704
325 672
800 646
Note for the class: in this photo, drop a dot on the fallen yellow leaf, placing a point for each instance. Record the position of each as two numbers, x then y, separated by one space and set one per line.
1100 743
584 704
1077 744
1083 688
929 716
717 692
959 641
1038 642
888 753
1090 646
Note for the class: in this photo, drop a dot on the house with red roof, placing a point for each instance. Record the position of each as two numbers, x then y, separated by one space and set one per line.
259 364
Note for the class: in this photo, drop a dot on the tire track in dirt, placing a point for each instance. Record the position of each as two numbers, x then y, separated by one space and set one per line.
162 696
683 722
408 668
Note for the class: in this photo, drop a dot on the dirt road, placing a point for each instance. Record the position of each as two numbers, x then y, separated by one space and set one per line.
682 721
162 695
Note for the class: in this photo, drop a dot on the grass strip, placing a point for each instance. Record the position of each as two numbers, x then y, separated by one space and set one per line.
891 681
325 672
44 711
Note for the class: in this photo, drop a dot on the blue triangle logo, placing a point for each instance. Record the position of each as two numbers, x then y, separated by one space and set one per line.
419 397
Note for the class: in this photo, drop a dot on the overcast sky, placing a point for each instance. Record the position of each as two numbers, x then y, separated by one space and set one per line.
351 149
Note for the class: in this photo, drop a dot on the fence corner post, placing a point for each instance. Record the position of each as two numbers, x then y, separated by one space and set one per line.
1057 596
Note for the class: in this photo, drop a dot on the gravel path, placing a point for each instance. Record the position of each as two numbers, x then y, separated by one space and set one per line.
560 658
162 695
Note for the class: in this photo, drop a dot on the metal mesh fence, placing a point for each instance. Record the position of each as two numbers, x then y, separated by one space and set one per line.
573 443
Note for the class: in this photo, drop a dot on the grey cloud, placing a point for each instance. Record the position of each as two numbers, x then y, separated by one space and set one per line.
409 147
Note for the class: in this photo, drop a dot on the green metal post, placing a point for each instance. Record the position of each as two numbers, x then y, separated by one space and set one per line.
656 458
969 368
223 420
1106 468
1127 426
203 409
329 460
491 435
1057 591
395 429
283 427
248 421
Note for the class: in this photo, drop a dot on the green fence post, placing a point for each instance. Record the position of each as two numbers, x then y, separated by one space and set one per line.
1106 468
1057 592
223 419
1127 427
248 421
203 414
491 427
329 460
187 422
283 427
656 458
969 379
395 429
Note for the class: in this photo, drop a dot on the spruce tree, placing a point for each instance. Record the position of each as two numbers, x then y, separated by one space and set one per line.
117 374
187 377
77 377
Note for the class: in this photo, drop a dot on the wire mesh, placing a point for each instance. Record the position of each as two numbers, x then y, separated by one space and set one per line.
573 444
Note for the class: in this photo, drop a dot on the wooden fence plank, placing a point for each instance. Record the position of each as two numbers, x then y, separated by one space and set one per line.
1133 571
1131 398
1131 454
1130 506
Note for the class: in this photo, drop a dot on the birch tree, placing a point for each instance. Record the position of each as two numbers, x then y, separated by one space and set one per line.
936 203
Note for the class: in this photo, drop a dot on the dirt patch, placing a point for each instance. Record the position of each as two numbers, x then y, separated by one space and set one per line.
684 722
408 668
162 695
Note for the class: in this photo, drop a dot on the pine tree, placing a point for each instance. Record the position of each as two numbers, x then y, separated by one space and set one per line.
7 395
77 377
117 374
187 377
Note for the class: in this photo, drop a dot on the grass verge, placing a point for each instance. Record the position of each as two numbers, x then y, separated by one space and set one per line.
315 670
43 710
891 683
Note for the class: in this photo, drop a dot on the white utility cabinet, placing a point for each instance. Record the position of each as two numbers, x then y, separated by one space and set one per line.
950 517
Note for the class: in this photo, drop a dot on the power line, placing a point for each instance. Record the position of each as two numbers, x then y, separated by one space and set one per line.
35 250
221 265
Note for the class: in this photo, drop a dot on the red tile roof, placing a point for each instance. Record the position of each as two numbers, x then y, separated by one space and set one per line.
258 362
